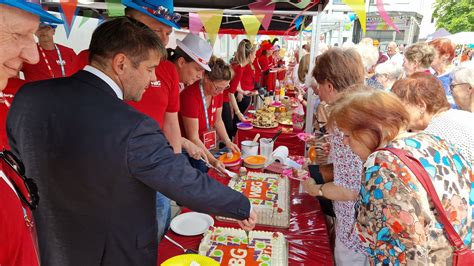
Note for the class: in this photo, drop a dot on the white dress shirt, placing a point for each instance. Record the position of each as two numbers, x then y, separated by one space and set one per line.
107 80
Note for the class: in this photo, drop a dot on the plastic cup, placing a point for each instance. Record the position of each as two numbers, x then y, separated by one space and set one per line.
266 148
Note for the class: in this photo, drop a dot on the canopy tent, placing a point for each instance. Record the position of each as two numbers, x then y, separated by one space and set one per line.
438 34
283 15
462 38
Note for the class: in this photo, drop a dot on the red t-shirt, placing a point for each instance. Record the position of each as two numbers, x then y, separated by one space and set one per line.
247 83
82 60
17 244
263 61
234 83
10 90
40 70
192 106
162 96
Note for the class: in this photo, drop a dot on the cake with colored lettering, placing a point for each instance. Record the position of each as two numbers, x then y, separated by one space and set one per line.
230 246
269 195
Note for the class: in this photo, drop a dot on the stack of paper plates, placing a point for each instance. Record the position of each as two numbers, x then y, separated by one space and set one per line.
232 161
255 162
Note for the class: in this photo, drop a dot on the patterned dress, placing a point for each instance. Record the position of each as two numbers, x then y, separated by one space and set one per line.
395 221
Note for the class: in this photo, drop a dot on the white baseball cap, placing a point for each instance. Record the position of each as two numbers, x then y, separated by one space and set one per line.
198 49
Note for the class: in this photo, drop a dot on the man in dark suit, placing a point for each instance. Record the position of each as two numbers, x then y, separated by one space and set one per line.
98 162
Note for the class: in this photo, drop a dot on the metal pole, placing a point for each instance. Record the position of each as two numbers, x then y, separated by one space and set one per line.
316 31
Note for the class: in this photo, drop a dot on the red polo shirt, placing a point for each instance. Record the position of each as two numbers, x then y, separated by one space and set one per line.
247 83
162 96
40 70
192 106
234 83
80 62
13 86
17 241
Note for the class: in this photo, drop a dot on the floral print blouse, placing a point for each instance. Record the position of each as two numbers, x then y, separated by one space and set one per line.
395 222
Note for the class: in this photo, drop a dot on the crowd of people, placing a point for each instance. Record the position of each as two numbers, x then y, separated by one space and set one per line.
108 137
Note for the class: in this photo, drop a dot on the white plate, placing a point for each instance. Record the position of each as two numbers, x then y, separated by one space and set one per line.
191 223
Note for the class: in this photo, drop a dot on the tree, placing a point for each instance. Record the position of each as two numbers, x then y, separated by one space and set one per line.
454 15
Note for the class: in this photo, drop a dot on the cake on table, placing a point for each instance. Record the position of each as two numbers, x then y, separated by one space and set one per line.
230 246
269 195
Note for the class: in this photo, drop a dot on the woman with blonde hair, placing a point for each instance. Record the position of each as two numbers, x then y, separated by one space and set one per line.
395 221
418 58
201 110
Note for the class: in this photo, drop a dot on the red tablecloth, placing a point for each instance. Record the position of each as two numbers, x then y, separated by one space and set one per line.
308 241
288 139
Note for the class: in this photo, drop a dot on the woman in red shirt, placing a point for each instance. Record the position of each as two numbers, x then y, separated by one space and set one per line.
264 66
201 110
244 57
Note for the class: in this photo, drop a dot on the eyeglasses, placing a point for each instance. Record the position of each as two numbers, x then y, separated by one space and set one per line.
17 168
220 89
452 86
164 13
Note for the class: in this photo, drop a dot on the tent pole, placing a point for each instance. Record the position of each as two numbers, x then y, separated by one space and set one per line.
316 32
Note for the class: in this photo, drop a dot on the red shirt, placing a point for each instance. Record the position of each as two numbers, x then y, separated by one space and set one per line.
82 60
162 96
17 241
247 83
263 61
192 106
234 83
40 71
13 86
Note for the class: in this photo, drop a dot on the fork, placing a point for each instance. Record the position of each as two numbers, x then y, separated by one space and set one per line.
186 250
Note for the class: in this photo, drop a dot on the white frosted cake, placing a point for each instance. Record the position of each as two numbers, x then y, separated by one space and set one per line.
269 195
230 246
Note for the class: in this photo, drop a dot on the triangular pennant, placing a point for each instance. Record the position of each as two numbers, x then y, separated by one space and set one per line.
358 6
233 36
301 5
115 8
263 8
385 16
86 15
251 25
68 11
211 20
195 24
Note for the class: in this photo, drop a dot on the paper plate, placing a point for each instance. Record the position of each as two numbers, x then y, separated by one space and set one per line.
239 162
244 125
191 223
187 259
255 160
232 160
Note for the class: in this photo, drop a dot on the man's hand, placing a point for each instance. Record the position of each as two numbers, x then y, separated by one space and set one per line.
249 223
218 164
194 151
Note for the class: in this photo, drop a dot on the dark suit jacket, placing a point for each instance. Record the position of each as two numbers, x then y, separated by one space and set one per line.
98 162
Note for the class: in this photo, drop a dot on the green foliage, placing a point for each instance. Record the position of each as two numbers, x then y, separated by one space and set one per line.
454 15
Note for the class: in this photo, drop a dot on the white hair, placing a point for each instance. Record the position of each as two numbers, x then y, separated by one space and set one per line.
369 55
391 69
464 73
347 45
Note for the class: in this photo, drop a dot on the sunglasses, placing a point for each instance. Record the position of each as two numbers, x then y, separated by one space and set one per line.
164 13
16 167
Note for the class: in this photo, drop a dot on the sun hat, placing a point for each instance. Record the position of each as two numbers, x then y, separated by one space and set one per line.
33 7
198 49
161 10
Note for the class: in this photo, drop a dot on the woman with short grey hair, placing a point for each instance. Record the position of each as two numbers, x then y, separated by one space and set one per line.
462 84
387 73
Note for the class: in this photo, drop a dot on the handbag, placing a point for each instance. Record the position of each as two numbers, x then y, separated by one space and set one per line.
461 255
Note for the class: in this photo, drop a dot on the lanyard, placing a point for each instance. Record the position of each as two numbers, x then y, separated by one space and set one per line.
208 124
61 63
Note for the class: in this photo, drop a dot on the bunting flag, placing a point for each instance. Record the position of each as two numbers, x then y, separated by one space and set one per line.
211 20
385 15
115 8
233 36
301 5
68 10
86 15
358 6
265 8
195 24
251 25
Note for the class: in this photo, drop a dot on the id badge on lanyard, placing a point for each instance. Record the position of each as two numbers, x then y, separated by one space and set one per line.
210 136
